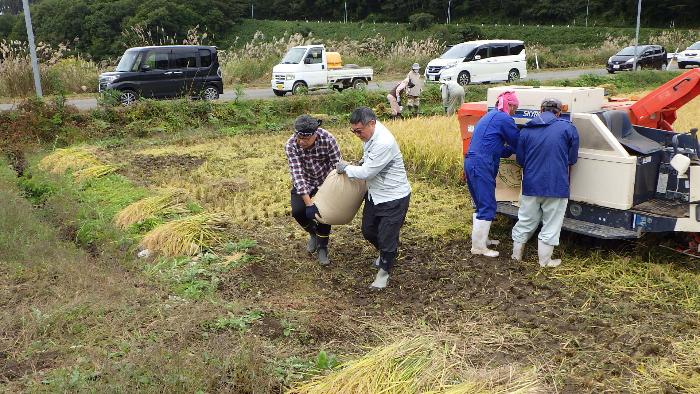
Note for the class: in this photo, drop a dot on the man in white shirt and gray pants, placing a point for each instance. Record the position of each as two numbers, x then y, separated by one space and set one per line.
388 190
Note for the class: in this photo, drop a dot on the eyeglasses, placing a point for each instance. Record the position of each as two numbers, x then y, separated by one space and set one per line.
358 130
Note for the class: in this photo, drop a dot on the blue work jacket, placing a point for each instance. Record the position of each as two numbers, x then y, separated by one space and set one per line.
491 134
547 147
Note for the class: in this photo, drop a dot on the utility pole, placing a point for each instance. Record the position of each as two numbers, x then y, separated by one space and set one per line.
449 11
32 49
346 12
636 37
252 16
587 4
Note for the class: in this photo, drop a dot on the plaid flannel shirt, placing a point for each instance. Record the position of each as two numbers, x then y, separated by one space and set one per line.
310 167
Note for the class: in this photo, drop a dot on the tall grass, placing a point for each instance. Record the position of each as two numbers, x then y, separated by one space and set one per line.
253 60
60 72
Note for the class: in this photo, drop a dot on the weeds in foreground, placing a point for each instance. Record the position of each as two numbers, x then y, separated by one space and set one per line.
679 372
187 236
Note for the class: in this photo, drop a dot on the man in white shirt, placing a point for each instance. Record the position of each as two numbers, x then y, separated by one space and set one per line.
388 190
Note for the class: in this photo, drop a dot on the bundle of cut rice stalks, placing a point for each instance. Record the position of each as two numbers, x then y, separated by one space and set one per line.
94 172
63 160
169 203
416 365
187 236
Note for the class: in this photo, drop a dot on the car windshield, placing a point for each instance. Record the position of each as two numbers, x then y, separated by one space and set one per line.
130 61
629 51
695 46
459 51
294 56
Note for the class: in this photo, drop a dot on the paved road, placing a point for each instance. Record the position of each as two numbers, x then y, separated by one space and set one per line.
265 93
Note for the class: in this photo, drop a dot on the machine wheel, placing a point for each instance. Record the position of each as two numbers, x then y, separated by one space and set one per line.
210 92
681 65
279 93
464 78
359 84
299 87
127 97
513 75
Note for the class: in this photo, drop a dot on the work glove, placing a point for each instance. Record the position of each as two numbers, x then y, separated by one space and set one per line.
340 167
311 211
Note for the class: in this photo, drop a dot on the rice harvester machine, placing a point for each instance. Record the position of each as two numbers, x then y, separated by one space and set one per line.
634 174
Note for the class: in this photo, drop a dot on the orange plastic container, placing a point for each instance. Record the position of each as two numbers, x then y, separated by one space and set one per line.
468 114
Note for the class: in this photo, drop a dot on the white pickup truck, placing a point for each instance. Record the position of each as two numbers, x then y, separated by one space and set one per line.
310 67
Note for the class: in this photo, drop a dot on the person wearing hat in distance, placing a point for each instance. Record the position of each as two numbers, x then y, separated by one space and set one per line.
388 191
312 153
547 148
495 137
414 88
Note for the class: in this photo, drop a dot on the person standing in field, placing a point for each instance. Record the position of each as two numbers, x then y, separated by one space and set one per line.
495 137
388 191
547 148
414 88
312 153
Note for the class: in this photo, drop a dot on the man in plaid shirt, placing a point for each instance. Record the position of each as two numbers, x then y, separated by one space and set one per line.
312 153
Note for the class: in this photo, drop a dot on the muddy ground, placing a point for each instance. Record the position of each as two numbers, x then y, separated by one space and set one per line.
581 341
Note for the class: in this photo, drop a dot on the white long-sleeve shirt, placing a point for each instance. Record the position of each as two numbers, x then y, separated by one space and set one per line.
382 167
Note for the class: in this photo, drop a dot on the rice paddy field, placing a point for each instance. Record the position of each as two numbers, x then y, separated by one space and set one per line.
227 299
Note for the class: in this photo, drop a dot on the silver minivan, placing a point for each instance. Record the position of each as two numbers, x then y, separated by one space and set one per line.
479 61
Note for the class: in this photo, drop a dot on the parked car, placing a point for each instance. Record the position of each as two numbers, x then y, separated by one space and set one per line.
689 57
649 56
311 67
164 72
479 61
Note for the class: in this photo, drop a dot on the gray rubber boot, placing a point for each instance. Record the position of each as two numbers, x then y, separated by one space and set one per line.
312 245
323 259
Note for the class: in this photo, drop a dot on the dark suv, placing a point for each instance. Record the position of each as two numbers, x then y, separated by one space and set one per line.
166 71
649 56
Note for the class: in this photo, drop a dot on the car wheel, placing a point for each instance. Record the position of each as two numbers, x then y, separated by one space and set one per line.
210 93
611 71
663 67
127 97
359 84
299 87
513 75
279 93
681 65
464 78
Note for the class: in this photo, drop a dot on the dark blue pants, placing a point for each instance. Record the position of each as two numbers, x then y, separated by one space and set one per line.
480 173
323 231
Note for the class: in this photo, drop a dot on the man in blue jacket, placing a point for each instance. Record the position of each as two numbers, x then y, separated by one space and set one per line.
547 148
495 136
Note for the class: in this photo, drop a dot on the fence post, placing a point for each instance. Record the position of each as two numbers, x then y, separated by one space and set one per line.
537 63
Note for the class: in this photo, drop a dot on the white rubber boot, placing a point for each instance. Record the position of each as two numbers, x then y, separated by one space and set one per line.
518 250
480 233
489 242
380 280
544 252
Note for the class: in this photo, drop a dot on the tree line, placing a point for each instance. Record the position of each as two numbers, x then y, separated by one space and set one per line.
95 26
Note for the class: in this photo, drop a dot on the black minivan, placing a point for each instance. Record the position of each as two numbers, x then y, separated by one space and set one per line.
166 71
649 56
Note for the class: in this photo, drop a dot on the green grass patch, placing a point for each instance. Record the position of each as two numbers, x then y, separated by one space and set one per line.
198 277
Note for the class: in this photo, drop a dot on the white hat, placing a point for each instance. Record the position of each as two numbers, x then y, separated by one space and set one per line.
415 66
